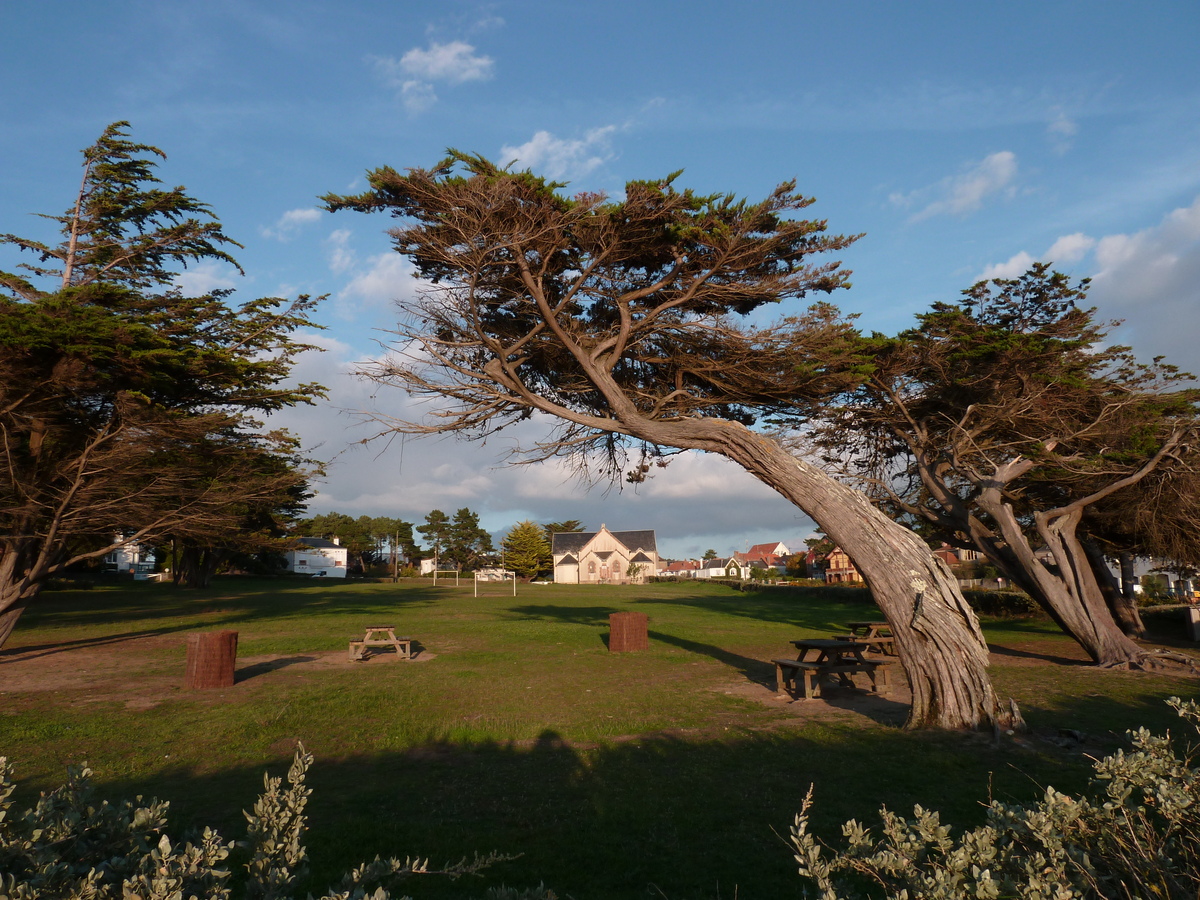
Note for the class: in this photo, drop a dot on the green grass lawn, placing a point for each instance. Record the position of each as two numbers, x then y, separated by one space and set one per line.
615 775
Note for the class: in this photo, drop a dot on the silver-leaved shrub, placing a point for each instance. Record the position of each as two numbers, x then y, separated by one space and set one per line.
71 846
1136 834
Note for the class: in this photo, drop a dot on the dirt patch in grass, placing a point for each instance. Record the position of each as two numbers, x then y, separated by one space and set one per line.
141 672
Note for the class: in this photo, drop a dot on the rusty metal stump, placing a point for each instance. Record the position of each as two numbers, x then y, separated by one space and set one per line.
211 656
628 631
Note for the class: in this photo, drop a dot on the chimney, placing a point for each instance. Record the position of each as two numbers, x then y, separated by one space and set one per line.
337 541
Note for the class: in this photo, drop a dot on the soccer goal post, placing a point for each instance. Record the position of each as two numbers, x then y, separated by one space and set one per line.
492 576
444 575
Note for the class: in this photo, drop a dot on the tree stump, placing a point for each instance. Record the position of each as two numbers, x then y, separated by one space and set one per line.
627 631
210 659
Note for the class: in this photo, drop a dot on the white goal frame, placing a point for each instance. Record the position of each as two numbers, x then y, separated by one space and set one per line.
505 575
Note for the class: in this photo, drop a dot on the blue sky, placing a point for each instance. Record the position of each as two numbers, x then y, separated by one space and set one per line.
965 140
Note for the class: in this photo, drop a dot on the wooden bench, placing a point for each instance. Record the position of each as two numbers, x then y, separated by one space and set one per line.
794 677
882 644
380 636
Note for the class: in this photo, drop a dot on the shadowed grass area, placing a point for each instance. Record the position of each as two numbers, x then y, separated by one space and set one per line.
614 774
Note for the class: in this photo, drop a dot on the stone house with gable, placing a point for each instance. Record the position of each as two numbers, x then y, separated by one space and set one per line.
604 557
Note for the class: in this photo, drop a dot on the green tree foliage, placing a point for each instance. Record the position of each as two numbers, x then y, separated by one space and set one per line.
394 537
436 530
1005 423
468 545
526 550
127 407
710 553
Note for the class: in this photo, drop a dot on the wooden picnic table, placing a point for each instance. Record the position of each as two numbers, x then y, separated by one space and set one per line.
380 636
869 629
876 635
819 658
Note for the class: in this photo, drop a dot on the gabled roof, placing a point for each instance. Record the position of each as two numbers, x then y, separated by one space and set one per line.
320 544
568 560
574 541
640 558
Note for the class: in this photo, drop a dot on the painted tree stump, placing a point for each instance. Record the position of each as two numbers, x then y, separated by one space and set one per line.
210 659
627 631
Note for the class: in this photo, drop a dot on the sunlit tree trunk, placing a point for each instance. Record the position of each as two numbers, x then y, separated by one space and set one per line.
938 639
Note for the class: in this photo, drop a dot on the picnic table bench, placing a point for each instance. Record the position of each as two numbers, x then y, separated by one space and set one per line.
380 636
820 658
876 635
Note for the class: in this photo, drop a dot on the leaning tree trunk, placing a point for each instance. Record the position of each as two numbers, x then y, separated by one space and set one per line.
938 638
1071 595
18 586
1122 606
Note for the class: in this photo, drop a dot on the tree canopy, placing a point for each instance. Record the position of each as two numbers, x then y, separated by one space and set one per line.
1006 423
624 322
126 407
525 550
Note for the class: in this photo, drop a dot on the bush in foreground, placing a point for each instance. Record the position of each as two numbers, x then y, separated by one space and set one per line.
1136 835
70 846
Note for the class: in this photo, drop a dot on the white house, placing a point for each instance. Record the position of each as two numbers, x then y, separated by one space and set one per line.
604 557
724 567
319 557
131 558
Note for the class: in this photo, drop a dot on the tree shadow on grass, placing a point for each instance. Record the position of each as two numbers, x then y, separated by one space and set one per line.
594 616
753 670
685 816
36 651
237 601
1000 650
272 665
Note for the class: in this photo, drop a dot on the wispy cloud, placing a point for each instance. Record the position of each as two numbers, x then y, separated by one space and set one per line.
415 73
289 223
562 158
965 192
1061 132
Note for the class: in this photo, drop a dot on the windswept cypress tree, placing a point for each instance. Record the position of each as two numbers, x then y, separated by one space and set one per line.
126 406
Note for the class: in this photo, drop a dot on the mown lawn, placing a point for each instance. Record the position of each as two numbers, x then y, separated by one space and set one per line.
615 775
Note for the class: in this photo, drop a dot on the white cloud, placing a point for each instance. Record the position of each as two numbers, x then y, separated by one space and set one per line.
388 277
698 501
559 158
204 277
1011 268
963 193
415 73
455 62
289 223
1067 250
1152 279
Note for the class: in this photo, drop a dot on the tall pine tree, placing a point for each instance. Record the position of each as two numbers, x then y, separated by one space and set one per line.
126 406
